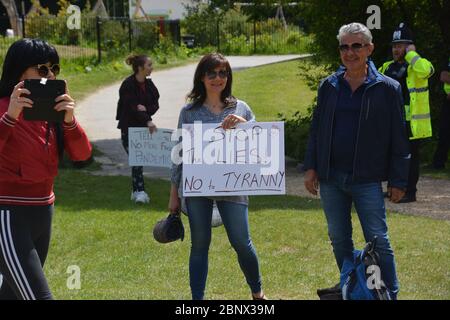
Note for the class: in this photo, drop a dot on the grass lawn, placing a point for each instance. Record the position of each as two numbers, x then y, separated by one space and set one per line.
273 89
97 228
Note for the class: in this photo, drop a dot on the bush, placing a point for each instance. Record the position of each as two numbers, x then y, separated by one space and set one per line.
145 34
234 33
296 132
297 127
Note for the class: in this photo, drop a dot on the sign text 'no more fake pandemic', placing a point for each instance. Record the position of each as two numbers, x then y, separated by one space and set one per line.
152 150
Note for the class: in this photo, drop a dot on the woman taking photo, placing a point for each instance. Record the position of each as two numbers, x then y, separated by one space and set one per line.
211 101
29 154
138 102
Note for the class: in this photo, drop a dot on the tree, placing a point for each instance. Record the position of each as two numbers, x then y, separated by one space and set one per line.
263 9
13 16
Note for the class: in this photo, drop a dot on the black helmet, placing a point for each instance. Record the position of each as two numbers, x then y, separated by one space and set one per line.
169 229
402 34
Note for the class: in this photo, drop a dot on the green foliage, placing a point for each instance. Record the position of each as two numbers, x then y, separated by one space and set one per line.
201 22
233 32
262 9
145 34
297 126
296 131
429 21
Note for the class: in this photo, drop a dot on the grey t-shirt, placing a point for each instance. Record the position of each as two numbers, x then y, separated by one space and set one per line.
189 114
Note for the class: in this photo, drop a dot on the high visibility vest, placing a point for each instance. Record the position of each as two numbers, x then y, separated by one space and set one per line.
418 111
447 85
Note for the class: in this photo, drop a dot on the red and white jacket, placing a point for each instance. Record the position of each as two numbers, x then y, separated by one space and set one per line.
28 163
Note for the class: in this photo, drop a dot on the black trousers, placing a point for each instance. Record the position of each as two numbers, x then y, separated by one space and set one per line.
414 166
24 240
441 154
137 173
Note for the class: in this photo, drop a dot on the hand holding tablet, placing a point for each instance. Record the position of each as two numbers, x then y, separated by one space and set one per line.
43 93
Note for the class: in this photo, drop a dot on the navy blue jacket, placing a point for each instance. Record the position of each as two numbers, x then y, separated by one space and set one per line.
382 146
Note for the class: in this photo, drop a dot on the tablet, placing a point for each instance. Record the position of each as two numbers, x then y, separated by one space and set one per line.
43 94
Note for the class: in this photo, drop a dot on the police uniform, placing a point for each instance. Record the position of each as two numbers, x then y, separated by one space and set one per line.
441 154
412 74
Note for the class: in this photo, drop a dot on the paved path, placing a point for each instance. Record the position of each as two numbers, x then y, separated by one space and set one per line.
433 196
97 112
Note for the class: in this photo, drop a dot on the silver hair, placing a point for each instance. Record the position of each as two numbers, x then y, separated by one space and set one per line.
355 28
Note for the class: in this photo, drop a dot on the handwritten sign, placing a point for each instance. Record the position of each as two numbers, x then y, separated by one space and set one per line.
153 150
247 160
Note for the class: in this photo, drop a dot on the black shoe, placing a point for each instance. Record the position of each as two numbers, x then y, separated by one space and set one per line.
408 198
333 293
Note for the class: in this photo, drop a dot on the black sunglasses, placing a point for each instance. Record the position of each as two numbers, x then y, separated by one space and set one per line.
43 69
354 47
223 74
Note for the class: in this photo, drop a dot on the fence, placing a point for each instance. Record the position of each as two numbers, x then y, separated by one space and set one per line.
96 39
249 37
99 38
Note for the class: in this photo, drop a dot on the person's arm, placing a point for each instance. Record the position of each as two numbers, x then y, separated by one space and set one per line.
310 161
399 151
76 142
176 175
174 200
421 66
154 93
311 180
7 124
249 116
9 118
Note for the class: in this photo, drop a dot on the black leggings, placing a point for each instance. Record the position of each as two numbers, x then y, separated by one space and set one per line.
24 241
137 173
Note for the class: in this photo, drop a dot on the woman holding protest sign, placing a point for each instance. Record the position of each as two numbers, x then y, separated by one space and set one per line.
29 155
211 101
138 102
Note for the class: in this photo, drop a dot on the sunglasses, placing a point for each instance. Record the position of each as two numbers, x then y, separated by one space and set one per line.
43 69
354 47
223 74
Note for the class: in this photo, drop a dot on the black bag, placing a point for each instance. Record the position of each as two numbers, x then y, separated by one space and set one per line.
169 229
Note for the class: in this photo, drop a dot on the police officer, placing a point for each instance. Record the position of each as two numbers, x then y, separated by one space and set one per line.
441 154
412 72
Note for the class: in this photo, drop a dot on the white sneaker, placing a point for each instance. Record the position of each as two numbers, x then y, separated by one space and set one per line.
140 197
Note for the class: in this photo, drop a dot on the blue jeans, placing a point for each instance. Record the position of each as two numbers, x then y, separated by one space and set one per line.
235 220
337 195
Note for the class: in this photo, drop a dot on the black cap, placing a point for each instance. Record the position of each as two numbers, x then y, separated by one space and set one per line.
169 229
402 34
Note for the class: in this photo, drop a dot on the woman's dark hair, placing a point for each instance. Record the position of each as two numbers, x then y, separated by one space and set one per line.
208 63
137 61
21 55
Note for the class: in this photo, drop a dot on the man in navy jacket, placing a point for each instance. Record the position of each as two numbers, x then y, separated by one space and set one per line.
357 140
